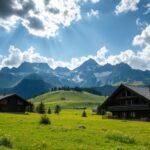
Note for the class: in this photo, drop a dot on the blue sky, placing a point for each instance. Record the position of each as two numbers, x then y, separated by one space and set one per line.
89 27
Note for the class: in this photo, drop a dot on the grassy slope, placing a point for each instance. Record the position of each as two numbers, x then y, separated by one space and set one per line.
64 133
72 99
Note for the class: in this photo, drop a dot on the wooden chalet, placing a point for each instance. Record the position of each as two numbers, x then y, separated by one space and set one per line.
128 102
13 103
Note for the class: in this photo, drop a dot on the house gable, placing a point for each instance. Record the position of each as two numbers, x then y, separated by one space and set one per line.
13 103
124 92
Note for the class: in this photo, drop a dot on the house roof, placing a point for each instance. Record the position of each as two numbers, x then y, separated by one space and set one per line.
9 95
5 95
143 91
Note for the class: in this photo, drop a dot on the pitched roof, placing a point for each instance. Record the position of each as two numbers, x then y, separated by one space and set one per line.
5 95
143 91
9 95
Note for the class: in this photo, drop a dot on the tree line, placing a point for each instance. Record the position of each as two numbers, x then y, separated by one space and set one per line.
77 89
40 108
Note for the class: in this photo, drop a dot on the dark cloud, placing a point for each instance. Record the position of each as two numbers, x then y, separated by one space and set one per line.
41 20
46 2
26 6
8 8
35 23
53 10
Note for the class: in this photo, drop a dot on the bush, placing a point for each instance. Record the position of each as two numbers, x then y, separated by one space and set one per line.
26 113
63 98
84 114
57 109
107 115
5 141
45 120
49 111
41 108
82 127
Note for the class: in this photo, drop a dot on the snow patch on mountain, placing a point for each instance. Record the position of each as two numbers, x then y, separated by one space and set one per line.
77 79
100 76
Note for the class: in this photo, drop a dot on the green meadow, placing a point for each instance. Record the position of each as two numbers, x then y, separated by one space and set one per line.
69 130
69 99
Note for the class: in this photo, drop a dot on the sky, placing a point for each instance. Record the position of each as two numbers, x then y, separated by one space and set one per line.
68 32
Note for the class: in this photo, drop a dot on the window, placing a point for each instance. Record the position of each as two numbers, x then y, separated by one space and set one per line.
130 102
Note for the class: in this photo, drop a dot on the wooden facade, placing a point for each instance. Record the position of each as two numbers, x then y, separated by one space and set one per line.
129 102
13 103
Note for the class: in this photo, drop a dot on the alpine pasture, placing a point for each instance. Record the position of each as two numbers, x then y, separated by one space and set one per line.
69 130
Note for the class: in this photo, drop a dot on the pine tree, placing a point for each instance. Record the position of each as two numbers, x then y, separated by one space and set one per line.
49 111
84 114
57 109
41 108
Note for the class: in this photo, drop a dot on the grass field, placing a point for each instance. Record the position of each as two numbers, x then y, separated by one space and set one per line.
70 131
69 99
66 132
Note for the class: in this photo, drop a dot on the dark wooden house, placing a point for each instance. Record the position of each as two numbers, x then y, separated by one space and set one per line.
128 102
13 103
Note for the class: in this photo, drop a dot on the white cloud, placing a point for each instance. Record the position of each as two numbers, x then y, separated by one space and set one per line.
14 58
137 60
41 18
95 1
147 9
141 24
93 13
126 6
9 23
92 1
144 38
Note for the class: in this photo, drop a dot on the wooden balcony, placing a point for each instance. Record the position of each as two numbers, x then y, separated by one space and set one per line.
126 97
128 107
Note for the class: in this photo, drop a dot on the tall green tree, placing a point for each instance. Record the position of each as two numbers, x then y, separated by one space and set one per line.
84 114
57 109
41 108
49 111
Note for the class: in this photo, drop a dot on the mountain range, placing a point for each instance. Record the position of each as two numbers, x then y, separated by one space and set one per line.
32 79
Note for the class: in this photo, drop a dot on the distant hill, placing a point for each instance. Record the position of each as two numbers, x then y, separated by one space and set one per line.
8 80
30 86
69 99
